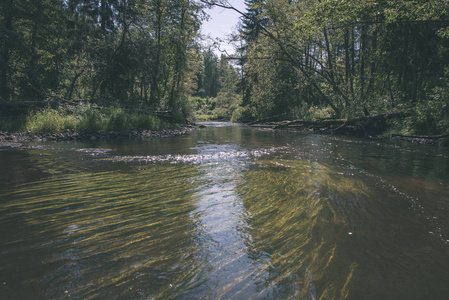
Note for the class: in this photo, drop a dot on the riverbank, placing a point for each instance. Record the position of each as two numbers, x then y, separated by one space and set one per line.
373 129
7 137
372 126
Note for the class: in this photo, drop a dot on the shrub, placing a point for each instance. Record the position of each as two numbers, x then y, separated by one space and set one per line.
432 116
90 120
119 120
146 121
242 114
83 119
49 120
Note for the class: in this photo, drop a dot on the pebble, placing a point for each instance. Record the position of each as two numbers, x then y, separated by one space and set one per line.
70 135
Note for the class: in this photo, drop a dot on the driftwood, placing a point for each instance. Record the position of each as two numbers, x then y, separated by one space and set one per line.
427 137
266 119
342 122
373 124
166 114
5 103
441 140
20 106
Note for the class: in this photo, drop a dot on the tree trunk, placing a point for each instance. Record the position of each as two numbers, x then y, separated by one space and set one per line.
4 90
72 85
154 90
363 49
373 68
347 61
415 61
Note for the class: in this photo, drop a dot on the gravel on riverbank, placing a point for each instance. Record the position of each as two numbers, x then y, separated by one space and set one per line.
72 135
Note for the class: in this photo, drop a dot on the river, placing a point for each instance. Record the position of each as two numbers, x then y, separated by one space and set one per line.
225 212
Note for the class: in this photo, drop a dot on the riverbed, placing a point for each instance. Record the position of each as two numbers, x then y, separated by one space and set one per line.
224 212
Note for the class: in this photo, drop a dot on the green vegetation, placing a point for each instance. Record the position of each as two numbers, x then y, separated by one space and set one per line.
135 55
296 59
349 58
216 96
89 120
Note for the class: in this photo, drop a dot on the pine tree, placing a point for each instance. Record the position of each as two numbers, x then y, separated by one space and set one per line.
251 25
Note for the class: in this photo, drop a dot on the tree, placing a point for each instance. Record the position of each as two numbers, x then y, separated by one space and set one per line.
348 55
216 92
132 53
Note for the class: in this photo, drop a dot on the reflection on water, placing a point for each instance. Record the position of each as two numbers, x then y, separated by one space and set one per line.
101 234
220 217
226 212
296 225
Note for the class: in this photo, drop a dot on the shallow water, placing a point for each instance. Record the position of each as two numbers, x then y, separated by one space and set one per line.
225 212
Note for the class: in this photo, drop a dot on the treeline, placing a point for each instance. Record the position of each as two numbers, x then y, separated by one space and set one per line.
139 54
296 59
348 58
216 95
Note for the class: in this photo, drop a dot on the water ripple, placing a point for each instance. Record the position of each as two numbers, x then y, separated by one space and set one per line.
189 158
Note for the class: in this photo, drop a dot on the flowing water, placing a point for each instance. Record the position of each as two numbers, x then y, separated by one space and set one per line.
225 212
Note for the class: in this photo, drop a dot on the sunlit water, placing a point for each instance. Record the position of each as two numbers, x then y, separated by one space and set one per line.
225 212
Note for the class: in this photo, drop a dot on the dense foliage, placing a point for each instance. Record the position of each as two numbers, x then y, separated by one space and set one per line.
216 95
296 59
347 58
129 53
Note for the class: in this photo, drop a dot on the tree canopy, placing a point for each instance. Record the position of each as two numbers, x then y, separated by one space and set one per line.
296 59
349 57
132 53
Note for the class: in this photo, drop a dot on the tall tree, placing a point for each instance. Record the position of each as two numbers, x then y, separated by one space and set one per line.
343 60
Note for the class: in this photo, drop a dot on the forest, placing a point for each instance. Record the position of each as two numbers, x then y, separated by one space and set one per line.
310 60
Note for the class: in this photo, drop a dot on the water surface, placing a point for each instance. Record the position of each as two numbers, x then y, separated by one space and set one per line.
225 212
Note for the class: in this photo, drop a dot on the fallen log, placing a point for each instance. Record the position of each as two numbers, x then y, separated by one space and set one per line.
266 119
442 140
370 125
427 137
352 121
318 123
20 107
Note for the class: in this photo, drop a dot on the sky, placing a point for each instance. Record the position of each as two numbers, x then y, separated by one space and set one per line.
221 24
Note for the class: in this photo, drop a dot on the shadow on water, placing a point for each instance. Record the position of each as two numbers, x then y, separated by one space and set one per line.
97 235
225 212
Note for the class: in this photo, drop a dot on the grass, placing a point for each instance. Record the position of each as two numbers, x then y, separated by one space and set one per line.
88 120
49 120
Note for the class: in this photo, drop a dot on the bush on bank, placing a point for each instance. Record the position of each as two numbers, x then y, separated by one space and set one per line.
88 120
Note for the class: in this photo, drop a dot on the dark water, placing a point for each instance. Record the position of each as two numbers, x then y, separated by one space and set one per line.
226 212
